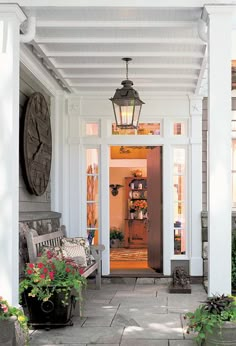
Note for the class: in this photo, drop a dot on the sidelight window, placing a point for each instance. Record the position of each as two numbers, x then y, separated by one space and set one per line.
179 200
92 170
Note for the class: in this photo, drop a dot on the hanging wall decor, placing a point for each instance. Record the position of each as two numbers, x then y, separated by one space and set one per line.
37 145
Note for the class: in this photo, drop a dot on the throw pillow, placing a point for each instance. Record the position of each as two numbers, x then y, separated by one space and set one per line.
75 251
51 251
83 242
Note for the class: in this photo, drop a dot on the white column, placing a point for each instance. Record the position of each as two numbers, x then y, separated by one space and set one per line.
10 18
58 156
74 175
219 150
105 201
195 186
168 233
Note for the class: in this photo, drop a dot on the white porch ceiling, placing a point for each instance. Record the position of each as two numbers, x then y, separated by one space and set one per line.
82 46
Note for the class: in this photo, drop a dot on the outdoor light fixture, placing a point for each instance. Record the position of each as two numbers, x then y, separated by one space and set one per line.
127 104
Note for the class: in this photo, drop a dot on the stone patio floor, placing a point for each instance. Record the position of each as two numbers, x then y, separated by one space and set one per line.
127 312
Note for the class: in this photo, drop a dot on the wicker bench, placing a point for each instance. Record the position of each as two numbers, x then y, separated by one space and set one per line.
35 242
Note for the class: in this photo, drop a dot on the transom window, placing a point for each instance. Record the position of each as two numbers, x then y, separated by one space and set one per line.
179 128
143 129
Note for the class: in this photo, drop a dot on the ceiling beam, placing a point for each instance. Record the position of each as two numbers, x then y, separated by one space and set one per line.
117 3
135 66
138 85
114 24
107 93
171 40
181 54
134 76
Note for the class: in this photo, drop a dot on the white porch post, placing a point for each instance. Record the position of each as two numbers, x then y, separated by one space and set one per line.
10 18
195 204
59 138
219 150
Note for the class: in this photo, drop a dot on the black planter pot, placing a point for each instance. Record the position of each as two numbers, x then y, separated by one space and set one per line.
51 313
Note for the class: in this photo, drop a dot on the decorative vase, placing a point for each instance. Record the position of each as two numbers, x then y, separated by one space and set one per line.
50 313
223 335
8 334
140 214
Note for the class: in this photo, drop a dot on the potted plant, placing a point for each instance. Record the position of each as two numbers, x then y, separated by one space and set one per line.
214 321
116 237
13 325
50 289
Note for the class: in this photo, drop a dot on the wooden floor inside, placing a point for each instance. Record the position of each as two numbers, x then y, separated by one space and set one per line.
131 263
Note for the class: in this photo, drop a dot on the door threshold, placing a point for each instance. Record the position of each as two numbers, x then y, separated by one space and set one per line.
135 273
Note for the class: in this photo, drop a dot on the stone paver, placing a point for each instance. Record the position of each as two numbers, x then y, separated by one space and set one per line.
163 326
144 342
182 343
98 321
127 313
83 335
147 281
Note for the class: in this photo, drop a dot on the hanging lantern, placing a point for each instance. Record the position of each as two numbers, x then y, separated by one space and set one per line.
127 104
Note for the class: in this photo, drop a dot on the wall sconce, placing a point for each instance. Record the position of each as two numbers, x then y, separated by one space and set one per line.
115 189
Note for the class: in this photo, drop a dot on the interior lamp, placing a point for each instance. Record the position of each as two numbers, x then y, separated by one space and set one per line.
126 103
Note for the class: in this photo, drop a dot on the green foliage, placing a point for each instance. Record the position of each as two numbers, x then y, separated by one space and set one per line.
115 233
234 262
212 313
218 304
51 275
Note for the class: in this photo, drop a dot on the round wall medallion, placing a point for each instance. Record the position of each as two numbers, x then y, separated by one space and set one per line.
37 144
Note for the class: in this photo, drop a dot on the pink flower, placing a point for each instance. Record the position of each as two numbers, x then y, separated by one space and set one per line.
67 269
45 270
29 271
51 275
49 254
42 276
5 308
31 265
40 265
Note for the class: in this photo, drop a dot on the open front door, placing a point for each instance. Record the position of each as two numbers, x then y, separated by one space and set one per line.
154 199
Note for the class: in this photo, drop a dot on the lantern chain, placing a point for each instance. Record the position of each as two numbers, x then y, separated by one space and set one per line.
127 69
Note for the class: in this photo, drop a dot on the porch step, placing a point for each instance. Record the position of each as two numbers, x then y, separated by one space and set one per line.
137 281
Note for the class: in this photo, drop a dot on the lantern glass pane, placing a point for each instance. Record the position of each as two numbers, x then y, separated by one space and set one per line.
126 115
117 113
137 110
